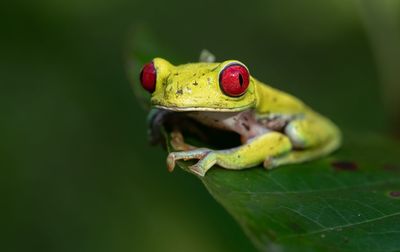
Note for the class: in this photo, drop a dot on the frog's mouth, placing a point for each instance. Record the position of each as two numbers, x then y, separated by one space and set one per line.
194 133
191 109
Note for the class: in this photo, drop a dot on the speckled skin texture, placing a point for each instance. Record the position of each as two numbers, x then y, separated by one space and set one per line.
275 128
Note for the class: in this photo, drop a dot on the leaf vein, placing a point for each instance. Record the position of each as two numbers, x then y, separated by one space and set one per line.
342 226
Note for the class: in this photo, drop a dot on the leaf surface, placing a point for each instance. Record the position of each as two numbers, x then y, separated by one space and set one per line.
349 201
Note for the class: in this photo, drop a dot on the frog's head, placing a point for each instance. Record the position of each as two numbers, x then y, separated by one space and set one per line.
225 86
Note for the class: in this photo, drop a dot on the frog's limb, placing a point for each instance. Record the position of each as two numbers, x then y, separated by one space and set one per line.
206 56
185 155
178 142
311 137
254 152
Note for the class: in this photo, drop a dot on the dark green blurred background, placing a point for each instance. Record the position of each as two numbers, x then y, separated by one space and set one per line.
77 173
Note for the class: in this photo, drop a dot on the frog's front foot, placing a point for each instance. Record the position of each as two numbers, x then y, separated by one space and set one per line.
270 163
207 158
178 142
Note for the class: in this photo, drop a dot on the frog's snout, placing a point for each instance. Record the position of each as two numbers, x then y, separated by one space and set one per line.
181 89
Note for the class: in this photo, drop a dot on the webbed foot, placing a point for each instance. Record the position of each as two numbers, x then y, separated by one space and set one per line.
207 158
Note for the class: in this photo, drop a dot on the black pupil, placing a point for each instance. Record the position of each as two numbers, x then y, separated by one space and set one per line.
240 80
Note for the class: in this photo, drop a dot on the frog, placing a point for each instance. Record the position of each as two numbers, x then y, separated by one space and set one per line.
275 127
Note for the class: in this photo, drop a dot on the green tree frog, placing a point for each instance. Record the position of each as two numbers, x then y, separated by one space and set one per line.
275 128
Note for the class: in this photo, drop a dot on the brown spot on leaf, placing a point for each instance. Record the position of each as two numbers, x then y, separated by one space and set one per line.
394 194
391 167
344 165
179 92
296 227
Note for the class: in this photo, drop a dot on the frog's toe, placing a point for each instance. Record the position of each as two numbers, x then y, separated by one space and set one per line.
178 142
270 163
198 170
185 155
204 164
171 161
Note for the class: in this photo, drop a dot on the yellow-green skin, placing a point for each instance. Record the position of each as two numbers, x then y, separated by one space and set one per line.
195 87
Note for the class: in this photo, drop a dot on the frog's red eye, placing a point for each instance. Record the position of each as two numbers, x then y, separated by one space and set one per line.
148 77
234 80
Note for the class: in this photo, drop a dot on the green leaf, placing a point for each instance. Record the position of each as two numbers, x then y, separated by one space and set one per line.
349 201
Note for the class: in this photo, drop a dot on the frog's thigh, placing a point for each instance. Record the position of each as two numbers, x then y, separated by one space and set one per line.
313 138
307 133
254 152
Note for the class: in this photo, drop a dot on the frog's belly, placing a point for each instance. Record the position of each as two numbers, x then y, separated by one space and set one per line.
244 123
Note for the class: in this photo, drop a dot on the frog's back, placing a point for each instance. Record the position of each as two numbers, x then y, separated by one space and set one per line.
274 101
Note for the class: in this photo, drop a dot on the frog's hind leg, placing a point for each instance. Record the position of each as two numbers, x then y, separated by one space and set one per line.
311 138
